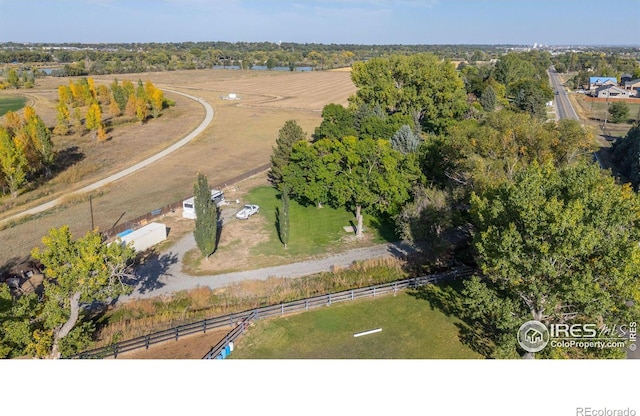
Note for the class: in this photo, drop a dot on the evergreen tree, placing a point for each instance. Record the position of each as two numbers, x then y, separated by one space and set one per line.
488 99
283 217
288 135
405 141
207 215
619 112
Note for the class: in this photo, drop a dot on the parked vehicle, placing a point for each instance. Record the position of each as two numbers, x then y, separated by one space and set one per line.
247 211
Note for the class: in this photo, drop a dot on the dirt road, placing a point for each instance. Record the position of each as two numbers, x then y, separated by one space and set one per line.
163 274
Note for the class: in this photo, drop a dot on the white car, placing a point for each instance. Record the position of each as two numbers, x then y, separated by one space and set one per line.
247 211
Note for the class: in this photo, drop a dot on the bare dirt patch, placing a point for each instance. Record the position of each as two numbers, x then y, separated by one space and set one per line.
192 347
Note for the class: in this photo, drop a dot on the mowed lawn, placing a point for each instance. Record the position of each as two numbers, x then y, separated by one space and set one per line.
410 329
312 230
11 104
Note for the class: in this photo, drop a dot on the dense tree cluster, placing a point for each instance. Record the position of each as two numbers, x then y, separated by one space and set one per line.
26 150
117 99
554 245
78 273
554 237
626 156
95 59
17 78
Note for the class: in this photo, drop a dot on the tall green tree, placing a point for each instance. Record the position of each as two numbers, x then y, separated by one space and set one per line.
420 83
530 96
555 245
207 216
357 174
626 156
18 315
288 135
77 273
619 112
337 122
283 217
13 79
308 175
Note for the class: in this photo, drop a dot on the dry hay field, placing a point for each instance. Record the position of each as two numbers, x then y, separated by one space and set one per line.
239 139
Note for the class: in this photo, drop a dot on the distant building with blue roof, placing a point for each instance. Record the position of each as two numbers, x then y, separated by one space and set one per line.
595 82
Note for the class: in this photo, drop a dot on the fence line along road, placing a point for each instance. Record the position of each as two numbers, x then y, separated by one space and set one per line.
241 319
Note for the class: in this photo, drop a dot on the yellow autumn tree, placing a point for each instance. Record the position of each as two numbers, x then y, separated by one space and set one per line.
63 119
64 94
130 109
155 97
12 122
141 109
114 109
102 134
92 87
93 119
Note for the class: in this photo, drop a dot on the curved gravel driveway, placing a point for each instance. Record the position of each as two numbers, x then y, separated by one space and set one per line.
119 175
163 275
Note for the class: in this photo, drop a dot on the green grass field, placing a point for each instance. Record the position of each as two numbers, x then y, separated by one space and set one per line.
11 104
312 230
410 329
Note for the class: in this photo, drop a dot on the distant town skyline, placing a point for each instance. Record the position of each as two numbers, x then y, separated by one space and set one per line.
379 22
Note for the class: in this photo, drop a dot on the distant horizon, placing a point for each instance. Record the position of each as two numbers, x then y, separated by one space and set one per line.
25 43
341 22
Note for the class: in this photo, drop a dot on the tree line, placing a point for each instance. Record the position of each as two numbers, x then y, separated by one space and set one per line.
553 237
27 150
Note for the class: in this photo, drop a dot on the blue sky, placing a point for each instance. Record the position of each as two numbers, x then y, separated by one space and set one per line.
550 22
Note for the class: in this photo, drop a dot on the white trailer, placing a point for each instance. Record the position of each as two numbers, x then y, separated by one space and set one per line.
188 205
145 237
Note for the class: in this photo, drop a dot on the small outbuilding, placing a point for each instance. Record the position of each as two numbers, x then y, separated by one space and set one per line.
145 237
188 205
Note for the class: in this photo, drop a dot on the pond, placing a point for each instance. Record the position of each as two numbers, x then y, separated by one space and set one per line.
264 68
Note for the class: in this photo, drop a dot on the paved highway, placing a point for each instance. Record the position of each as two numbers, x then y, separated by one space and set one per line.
564 109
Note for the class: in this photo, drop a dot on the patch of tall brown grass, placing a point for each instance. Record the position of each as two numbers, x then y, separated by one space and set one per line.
144 316
76 173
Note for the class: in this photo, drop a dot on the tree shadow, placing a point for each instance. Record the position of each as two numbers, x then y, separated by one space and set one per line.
219 227
385 227
66 158
447 298
150 267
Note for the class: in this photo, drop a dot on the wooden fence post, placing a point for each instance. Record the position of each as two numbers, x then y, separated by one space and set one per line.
281 309
374 291
204 325
351 294
177 333
146 342
306 305
329 299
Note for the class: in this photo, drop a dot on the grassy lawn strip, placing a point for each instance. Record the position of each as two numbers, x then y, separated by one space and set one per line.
410 329
11 104
312 230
